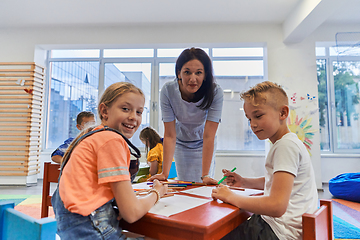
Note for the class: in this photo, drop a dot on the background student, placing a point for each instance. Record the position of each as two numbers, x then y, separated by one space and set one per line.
191 108
96 172
289 182
154 151
83 119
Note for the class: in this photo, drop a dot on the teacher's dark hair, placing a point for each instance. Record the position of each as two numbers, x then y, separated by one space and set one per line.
207 88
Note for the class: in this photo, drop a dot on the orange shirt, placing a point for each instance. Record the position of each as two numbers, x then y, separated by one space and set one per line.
97 160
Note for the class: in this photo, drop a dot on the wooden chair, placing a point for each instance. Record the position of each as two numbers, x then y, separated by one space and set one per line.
319 225
51 174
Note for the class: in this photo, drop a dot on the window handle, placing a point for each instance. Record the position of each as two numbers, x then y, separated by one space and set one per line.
154 106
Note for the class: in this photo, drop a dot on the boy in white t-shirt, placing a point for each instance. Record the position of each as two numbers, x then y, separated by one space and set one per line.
289 181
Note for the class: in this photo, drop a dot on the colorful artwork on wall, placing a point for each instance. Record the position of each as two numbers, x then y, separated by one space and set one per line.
302 128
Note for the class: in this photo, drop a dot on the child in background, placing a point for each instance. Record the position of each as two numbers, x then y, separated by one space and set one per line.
83 119
289 182
94 172
154 151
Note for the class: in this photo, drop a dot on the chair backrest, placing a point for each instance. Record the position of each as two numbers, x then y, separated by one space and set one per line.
51 174
19 226
319 225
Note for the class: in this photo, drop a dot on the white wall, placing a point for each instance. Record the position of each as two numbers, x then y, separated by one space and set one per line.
247 165
291 65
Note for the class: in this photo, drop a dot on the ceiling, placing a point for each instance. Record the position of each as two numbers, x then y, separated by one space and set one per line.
294 15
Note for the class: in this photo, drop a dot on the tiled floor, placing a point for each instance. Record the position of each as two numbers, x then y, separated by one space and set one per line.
35 189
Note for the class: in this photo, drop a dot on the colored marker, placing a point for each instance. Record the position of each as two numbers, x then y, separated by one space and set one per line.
175 184
226 176
192 183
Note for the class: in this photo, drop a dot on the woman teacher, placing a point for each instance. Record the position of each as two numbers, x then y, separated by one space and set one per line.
191 108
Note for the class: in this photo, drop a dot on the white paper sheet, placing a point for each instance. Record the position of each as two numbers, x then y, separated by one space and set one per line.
175 204
200 191
247 192
142 185
206 191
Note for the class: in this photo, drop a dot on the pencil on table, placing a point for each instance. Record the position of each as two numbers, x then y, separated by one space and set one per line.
179 188
183 183
237 188
142 193
192 183
198 184
173 190
168 195
141 190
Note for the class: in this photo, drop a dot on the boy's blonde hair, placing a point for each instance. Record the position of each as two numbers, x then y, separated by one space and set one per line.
276 96
115 90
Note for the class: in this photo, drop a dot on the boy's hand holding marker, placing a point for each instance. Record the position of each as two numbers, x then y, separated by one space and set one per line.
223 192
225 176
232 178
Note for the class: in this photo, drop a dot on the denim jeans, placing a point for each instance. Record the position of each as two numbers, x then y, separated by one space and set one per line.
100 224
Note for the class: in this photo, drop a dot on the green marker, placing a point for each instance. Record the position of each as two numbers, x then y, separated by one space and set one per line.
226 176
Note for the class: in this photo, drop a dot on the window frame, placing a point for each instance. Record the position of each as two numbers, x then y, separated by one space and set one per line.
155 62
330 59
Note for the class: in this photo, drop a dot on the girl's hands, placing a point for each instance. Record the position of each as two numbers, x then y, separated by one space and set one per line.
162 188
222 193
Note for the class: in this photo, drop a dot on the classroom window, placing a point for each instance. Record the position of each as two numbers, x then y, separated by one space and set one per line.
323 105
339 100
73 88
347 107
78 78
128 53
239 52
75 53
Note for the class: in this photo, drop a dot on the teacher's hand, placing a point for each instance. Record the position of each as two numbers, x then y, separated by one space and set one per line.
159 176
209 181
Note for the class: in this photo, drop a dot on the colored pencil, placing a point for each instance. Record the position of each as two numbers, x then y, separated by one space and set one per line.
141 190
168 195
181 183
193 183
179 188
237 188
175 184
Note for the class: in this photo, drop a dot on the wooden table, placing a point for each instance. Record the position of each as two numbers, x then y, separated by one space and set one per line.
212 220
